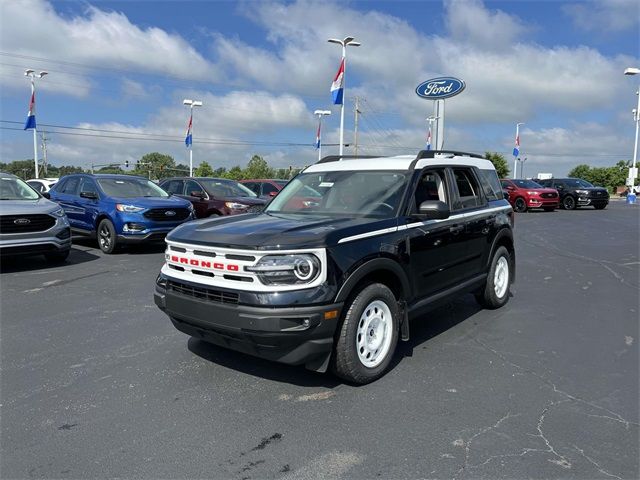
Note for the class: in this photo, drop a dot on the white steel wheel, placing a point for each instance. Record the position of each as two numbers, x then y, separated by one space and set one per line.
501 277
374 333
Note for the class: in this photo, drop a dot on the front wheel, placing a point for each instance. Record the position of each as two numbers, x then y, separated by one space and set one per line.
107 236
368 335
520 205
569 203
496 291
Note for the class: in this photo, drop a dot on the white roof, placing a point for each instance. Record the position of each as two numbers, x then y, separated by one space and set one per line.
400 162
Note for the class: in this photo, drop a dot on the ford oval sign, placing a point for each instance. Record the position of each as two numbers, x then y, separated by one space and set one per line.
440 88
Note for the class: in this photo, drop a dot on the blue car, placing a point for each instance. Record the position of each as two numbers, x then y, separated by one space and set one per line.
119 209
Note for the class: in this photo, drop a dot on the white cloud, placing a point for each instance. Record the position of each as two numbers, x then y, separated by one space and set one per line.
605 15
32 28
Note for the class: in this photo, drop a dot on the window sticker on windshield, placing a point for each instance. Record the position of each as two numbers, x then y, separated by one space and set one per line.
326 184
120 182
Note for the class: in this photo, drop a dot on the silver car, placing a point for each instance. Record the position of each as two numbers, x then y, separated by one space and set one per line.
30 224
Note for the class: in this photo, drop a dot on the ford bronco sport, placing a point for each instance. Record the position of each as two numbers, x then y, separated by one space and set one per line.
332 283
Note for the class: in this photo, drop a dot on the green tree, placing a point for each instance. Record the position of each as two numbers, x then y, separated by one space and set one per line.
499 162
609 177
159 164
258 168
581 171
220 172
235 173
203 170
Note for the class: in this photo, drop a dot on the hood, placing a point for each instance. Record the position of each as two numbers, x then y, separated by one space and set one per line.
153 202
27 207
542 190
267 231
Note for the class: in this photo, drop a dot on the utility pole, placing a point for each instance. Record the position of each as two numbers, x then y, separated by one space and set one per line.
44 152
357 112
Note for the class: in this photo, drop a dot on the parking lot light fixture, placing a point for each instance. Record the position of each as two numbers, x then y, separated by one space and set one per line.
633 172
189 138
344 42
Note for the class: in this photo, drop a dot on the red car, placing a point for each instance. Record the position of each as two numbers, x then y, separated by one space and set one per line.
525 194
264 188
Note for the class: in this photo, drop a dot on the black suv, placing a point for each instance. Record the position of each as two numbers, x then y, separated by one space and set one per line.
575 192
332 283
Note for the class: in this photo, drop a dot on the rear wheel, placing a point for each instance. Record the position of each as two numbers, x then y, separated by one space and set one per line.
569 203
496 291
520 205
107 236
368 335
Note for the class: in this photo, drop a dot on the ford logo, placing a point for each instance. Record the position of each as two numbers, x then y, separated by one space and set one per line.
439 88
22 221
169 213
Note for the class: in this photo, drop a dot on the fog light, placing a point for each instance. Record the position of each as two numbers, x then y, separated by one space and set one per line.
133 227
63 234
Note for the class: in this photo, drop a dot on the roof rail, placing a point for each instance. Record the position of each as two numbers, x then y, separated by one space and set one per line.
337 158
433 153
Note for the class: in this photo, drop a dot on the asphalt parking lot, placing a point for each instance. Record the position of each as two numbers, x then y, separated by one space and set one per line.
97 383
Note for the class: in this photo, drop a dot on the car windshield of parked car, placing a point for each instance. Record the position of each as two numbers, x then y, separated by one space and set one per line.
130 188
352 193
577 182
527 184
15 189
226 188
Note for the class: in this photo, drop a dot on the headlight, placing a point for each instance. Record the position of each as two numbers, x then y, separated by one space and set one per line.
535 194
58 213
121 207
287 269
236 206
582 192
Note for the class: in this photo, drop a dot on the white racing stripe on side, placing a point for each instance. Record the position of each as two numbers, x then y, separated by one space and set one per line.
426 223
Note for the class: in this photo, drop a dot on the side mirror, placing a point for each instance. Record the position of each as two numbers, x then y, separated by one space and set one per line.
46 195
198 194
434 210
273 194
89 195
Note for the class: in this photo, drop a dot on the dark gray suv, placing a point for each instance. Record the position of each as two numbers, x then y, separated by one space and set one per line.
30 224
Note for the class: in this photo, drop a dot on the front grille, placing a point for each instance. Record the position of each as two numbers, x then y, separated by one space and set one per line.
26 223
160 214
202 293
599 194
549 195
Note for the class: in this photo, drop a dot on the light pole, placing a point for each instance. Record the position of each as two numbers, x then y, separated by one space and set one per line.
343 67
31 116
633 171
516 150
320 114
189 138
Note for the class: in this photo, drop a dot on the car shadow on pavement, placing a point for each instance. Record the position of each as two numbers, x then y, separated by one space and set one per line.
38 262
141 249
427 325
278 372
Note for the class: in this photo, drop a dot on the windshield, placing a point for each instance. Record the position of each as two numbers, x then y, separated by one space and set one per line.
282 183
130 188
15 189
352 193
226 188
577 182
527 184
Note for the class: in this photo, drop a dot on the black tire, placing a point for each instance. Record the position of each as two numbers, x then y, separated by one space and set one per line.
569 203
213 215
56 257
520 205
488 297
106 234
548 209
346 361
600 207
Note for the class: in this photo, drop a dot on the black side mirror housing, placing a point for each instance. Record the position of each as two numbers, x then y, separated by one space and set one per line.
89 195
434 210
46 195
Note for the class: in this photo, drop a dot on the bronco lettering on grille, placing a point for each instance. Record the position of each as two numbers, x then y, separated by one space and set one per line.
204 263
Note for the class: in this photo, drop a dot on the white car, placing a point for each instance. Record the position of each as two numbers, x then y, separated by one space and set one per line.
42 185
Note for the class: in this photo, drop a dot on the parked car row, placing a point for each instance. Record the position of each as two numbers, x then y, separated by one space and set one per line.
549 194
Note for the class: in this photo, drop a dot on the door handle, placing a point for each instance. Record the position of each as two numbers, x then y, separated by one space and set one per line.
456 229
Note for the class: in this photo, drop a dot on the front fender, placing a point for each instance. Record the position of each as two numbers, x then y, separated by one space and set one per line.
371 266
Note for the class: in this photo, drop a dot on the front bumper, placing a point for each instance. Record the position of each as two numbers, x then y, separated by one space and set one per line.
144 236
599 200
290 335
534 202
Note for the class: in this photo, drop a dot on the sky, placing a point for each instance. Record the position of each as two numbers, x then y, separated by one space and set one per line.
118 72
